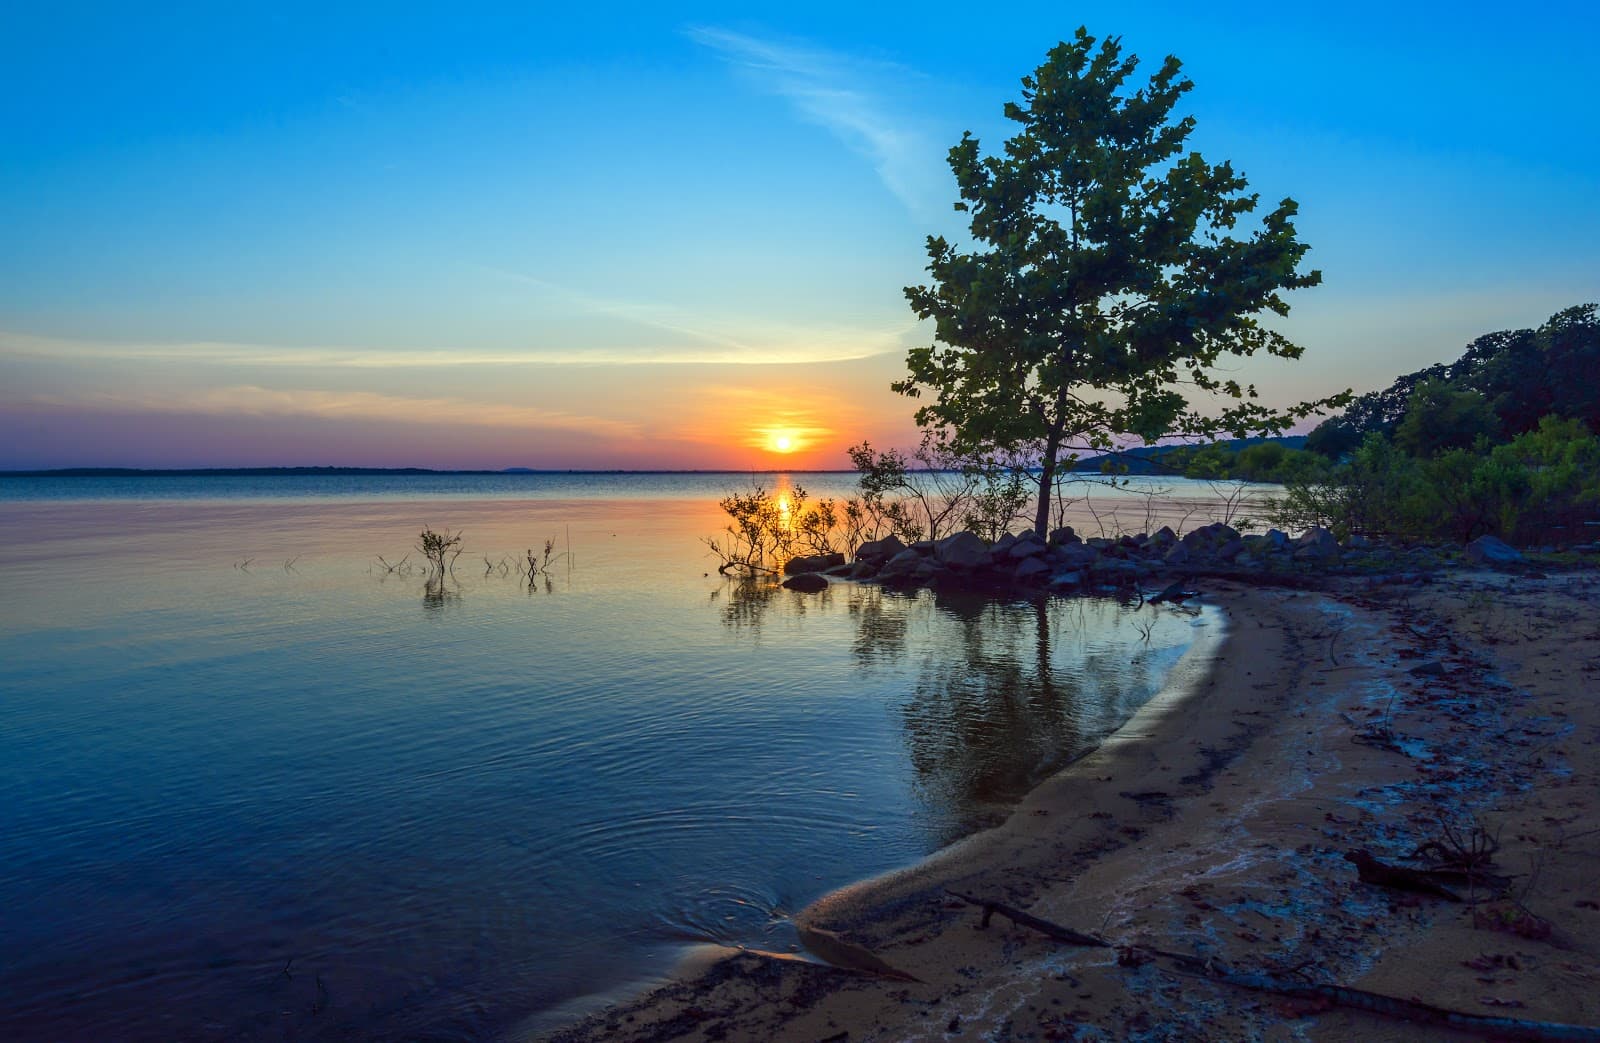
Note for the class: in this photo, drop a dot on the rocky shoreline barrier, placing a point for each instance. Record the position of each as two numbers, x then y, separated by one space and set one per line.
1065 563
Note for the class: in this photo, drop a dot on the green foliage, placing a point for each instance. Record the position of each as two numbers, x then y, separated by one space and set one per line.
1523 375
1440 417
1538 488
1108 269
1333 438
1263 462
1365 496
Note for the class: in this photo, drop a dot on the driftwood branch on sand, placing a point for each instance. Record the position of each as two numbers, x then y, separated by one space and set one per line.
1330 995
1065 935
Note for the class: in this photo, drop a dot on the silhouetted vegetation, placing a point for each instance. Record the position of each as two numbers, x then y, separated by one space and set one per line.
1109 274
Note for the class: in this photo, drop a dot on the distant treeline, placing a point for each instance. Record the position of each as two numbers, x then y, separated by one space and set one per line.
1277 460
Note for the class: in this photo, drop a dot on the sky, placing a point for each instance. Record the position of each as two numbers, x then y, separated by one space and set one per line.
590 236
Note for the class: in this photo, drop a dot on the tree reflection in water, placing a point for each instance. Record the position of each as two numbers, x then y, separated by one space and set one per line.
999 694
1012 692
746 601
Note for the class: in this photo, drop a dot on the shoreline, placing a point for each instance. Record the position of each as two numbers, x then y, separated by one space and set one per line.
1215 822
1182 682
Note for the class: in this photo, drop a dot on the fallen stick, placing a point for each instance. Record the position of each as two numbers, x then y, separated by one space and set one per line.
1050 930
1409 1010
1338 995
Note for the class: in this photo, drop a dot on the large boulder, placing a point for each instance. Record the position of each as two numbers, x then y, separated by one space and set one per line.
1318 544
899 568
1064 535
1064 581
812 563
1230 551
1490 550
1076 555
877 552
963 552
806 583
1029 546
1031 570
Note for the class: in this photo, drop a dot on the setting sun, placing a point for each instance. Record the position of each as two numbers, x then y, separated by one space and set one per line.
782 440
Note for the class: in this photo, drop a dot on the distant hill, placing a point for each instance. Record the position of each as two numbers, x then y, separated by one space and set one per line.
1147 459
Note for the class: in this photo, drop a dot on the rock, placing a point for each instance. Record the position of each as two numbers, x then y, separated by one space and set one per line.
1116 571
923 546
1031 570
964 552
1230 551
1488 550
1003 544
1175 594
1075 555
813 563
1063 536
1276 540
879 551
1317 544
1428 670
806 583
900 567
1066 581
863 570
1178 555
1022 549
841 570
1357 543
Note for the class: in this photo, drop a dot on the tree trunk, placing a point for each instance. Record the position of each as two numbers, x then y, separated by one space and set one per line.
1047 477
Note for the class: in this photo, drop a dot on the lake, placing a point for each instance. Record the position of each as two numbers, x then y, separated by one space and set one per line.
255 786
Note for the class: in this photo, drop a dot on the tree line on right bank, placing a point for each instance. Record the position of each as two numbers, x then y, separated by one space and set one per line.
1501 442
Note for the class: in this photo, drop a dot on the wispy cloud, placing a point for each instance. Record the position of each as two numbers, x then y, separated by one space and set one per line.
745 342
849 96
249 400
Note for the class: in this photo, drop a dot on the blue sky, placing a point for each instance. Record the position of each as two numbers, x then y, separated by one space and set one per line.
531 235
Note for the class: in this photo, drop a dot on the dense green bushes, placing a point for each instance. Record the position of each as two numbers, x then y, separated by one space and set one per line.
1538 488
1500 442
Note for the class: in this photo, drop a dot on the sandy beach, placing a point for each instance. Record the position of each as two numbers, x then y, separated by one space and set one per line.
1208 840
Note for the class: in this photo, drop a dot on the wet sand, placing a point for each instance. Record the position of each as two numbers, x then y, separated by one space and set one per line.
1368 716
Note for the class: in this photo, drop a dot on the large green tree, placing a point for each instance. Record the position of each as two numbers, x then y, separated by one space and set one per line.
1107 276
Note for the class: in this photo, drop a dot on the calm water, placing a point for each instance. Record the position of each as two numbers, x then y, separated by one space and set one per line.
320 801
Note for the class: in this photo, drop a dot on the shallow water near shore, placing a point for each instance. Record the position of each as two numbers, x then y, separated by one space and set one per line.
256 787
